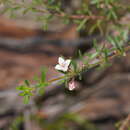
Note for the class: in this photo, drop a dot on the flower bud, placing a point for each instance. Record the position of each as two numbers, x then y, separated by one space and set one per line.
72 85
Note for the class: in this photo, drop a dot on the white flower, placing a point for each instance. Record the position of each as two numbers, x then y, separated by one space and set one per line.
72 85
63 65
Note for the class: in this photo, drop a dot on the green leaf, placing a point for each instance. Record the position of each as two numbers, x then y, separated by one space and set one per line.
26 10
26 99
16 8
43 74
66 83
74 64
37 2
22 87
99 23
110 39
51 1
27 82
93 28
113 13
42 85
95 45
80 54
106 52
22 94
81 25
46 84
41 91
36 78
80 76
94 55
95 2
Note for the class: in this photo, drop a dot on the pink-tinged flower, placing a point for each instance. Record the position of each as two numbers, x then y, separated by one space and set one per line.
72 85
63 64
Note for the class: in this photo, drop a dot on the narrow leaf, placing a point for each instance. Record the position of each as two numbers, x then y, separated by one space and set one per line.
27 82
26 99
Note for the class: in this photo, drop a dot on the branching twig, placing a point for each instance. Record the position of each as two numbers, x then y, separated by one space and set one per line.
96 64
63 14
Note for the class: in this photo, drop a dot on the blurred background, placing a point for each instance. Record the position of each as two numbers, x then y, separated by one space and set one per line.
102 100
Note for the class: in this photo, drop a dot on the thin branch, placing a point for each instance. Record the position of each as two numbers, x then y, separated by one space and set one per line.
96 64
63 14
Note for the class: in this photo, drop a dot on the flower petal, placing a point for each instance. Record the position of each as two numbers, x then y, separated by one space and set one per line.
72 86
67 62
65 68
61 60
58 67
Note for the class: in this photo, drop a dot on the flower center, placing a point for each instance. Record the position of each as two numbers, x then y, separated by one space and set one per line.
63 64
